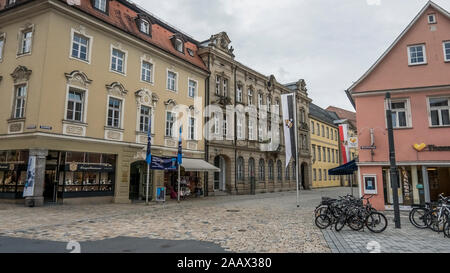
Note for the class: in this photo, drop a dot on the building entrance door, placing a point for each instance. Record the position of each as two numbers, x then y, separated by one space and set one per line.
220 177
50 186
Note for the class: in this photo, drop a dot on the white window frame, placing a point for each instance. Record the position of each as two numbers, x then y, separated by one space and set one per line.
152 69
407 102
100 6
433 15
85 103
144 26
2 47
251 130
176 80
440 108
14 102
178 43
90 42
22 31
239 93
122 112
445 53
124 62
192 132
189 88
150 117
174 117
366 191
424 55
239 129
260 99
250 96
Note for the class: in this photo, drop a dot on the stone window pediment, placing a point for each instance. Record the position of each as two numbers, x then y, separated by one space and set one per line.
146 97
116 89
78 78
21 74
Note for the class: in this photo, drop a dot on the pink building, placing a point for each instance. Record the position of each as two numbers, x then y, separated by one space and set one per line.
416 71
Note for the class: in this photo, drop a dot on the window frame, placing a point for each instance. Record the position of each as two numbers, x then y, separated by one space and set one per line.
124 61
174 120
149 116
176 80
106 11
122 100
445 52
239 94
84 103
408 114
189 88
152 71
192 132
429 109
29 29
89 48
24 101
424 50
434 18
2 47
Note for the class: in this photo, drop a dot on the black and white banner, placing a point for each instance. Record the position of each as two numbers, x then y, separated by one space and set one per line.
288 105
31 174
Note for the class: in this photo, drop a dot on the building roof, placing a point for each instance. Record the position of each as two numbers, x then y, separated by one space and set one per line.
122 14
321 114
422 12
343 114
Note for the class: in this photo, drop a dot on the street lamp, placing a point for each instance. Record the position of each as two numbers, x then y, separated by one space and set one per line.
393 170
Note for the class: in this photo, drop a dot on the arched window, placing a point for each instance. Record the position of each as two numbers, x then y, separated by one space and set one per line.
240 168
262 170
279 170
251 168
271 170
287 175
294 172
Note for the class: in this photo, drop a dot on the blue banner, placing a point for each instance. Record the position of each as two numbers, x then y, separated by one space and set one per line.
164 163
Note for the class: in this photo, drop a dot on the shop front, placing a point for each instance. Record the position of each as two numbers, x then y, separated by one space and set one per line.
13 173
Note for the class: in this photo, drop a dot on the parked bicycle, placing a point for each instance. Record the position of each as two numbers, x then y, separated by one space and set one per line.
433 216
350 211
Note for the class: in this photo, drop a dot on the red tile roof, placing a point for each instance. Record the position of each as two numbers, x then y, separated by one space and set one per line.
123 14
343 114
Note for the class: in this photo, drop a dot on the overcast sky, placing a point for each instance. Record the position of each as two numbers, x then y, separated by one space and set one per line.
328 43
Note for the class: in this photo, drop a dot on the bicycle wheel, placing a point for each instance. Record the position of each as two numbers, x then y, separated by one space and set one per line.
447 229
321 210
417 217
434 222
376 222
356 223
340 223
323 221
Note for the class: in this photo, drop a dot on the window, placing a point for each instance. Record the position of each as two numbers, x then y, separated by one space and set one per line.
2 45
331 134
250 97
313 152
329 154
19 101
239 94
294 172
251 168
216 124
314 174
446 51
225 87
262 170
144 118
11 2
114 112
432 18
269 104
192 92
287 175
334 159
80 47
260 100
277 103
218 80
25 41
100 5
271 176
145 27
75 105
440 111
323 131
171 81
239 128
179 45
325 175
320 174
417 55
170 121
225 126
279 170
147 72
191 128
240 168
313 128
319 153
328 132
117 61
324 154
251 133
399 113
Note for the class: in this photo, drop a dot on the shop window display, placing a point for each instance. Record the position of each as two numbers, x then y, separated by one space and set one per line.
13 172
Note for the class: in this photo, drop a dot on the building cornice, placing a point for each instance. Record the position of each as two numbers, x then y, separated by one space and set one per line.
402 90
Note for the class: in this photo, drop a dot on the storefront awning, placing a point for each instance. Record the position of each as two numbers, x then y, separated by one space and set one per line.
345 169
198 165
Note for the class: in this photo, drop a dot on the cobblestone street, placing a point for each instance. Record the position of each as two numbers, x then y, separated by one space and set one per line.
246 224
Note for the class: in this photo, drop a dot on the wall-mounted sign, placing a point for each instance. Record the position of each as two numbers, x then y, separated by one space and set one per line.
31 127
44 127
7 167
353 142
76 167
368 147
370 184
419 147
434 148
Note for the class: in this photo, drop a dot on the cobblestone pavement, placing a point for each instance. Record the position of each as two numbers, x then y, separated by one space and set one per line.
262 223
246 224
408 239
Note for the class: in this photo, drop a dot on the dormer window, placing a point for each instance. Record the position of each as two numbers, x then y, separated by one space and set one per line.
179 45
190 52
101 5
145 27
432 18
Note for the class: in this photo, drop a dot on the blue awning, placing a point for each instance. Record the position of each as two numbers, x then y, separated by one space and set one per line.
346 169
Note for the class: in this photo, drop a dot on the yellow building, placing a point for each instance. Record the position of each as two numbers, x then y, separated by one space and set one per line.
325 147
78 84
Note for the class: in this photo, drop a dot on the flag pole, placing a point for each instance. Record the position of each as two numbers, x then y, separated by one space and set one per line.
148 158
148 178
296 152
179 158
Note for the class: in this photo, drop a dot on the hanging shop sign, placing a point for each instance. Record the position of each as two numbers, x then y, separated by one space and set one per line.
164 163
31 175
368 147
79 167
353 142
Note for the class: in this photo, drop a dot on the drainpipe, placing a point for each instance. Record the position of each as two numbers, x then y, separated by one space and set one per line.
206 193
235 135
